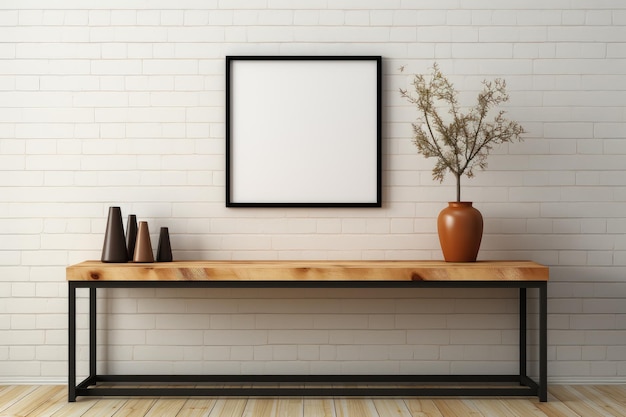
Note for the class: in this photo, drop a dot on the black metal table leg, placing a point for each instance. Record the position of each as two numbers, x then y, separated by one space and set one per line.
71 330
92 333
543 342
522 335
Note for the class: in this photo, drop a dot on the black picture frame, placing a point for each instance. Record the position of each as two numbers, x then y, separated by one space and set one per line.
303 131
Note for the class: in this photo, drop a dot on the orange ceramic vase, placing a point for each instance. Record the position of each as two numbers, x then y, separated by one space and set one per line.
460 228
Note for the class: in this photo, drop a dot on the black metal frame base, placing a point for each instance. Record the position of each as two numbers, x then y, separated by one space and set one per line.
310 385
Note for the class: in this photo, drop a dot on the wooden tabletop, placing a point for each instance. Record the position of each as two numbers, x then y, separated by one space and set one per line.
309 271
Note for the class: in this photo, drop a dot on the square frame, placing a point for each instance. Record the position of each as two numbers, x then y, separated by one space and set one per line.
303 131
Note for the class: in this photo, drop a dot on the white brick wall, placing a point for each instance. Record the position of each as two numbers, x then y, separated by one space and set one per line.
121 103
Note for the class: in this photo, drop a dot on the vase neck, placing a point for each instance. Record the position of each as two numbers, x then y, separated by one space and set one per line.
459 204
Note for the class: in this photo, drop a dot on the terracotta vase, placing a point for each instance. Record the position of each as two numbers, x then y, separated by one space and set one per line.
143 246
114 247
460 228
164 248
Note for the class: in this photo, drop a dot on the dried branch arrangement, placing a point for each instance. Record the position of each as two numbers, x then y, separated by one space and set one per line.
460 141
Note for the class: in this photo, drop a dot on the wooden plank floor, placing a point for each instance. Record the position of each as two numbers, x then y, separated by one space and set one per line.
564 401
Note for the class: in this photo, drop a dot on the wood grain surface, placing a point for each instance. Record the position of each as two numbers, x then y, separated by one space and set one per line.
309 271
563 401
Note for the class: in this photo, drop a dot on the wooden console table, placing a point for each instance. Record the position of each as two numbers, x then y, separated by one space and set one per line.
308 274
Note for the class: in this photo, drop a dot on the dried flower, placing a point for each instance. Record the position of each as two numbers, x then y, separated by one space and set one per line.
463 143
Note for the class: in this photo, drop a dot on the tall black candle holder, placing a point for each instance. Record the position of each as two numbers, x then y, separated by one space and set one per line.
114 248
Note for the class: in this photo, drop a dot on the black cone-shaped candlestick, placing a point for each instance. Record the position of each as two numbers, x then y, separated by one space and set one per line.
114 248
131 235
164 249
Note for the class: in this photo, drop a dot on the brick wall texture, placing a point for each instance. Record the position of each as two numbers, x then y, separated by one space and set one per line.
122 103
